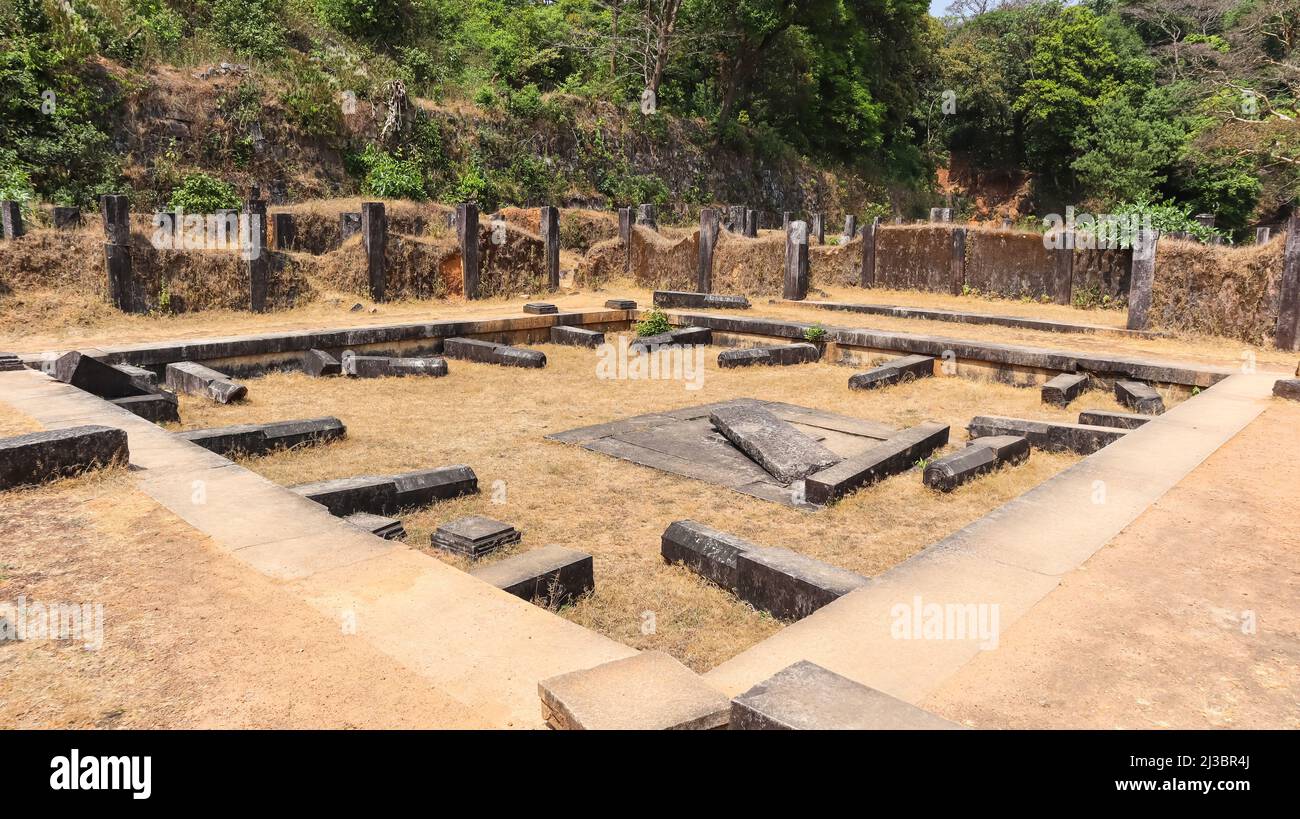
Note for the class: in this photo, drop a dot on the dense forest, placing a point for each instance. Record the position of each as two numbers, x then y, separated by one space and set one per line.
1174 107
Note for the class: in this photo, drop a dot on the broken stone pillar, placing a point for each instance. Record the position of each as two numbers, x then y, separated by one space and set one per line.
958 270
467 235
67 218
1262 235
374 238
818 228
796 262
708 238
349 225
284 231
550 222
869 253
645 216
115 209
1287 336
751 224
850 228
11 214
1142 277
981 456
256 258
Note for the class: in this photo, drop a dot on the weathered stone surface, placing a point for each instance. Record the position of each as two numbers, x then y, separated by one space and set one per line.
387 528
1105 418
474 536
906 368
67 218
424 486
788 585
708 552
1287 388
576 336
10 362
806 697
980 456
139 373
785 452
776 354
621 304
1064 388
378 366
540 308
159 407
318 363
94 376
1139 397
890 457
39 457
1051 436
648 691
551 576
256 439
195 379
520 357
711 301
490 352
375 494
680 336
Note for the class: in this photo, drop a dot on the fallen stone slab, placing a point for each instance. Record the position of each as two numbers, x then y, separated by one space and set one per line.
378 366
94 376
898 370
474 536
551 576
1139 397
159 407
576 336
1051 436
620 304
40 457
1064 388
387 528
981 456
318 363
540 308
258 439
788 585
425 486
139 373
196 379
775 354
895 454
714 301
681 337
1106 418
806 697
1288 388
10 362
374 494
647 691
708 552
490 352
786 453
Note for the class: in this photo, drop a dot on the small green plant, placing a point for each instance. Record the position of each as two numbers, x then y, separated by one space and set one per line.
654 323
389 177
200 193
815 334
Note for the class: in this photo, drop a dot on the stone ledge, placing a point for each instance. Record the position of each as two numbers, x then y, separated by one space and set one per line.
551 576
647 691
40 457
1051 436
898 453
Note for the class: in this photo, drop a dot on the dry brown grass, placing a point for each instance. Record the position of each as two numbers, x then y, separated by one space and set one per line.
495 419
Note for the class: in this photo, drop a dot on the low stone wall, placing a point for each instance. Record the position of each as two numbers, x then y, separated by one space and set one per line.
915 258
1222 291
1016 264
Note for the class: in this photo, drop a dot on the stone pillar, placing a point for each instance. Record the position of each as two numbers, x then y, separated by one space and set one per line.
869 253
374 238
11 215
850 228
349 224
796 262
1063 270
1262 235
940 214
1006 224
467 234
285 232
735 219
116 212
624 224
751 223
818 228
1140 280
786 216
550 221
1288 315
708 238
254 247
958 270
645 217
67 218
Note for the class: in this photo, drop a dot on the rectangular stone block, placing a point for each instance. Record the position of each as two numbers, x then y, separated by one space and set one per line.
375 494
139 373
710 301
788 585
237 439
890 457
1139 397
898 370
777 446
681 336
424 486
772 355
159 407
318 363
647 691
490 352
257 439
11 219
979 457
378 366
196 379
549 223
39 457
806 697
576 336
97 378
708 552
519 357
10 362
1288 388
474 536
1051 436
540 308
1064 388
1119 420
621 304
387 528
551 576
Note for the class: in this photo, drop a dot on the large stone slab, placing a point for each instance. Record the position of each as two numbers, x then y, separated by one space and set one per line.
979 457
775 354
899 370
708 301
551 576
258 439
195 379
1106 418
490 352
890 457
709 552
159 407
680 336
425 486
576 336
1064 388
540 308
1139 397
139 373
786 453
474 536
387 528
621 304
789 585
318 363
1287 388
648 691
378 366
39 457
373 494
1052 436
806 697
94 376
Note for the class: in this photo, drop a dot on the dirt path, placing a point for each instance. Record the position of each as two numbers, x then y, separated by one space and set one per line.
1154 630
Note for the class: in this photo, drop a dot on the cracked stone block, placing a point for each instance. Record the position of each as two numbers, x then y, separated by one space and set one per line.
551 576
1051 436
378 366
786 453
980 456
896 454
1064 388
647 691
490 352
775 354
576 336
898 370
195 379
1139 397
39 457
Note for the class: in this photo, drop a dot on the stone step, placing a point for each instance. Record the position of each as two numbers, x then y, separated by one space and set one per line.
387 528
647 691
620 304
540 308
551 576
474 536
895 454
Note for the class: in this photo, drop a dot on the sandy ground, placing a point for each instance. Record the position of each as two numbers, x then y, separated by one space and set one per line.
495 418
190 638
1186 620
